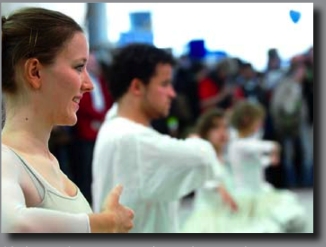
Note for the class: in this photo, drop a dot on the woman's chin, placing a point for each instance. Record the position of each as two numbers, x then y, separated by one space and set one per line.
71 121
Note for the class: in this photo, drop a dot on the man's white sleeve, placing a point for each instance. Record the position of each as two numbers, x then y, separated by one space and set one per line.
172 168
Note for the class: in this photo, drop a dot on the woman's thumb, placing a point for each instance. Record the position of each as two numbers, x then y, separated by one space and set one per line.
114 195
117 190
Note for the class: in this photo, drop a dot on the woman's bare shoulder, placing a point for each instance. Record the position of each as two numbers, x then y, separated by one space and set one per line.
9 160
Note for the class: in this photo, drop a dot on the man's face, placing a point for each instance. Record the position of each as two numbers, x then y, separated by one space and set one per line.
159 93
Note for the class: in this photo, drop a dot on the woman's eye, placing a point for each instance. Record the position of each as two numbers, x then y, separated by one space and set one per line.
80 67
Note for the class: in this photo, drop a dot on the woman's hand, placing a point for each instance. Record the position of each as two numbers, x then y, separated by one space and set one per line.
115 218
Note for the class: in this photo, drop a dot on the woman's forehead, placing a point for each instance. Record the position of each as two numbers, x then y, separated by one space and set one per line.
76 47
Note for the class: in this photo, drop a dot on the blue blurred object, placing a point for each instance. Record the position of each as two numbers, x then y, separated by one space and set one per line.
136 37
141 21
197 49
219 55
140 31
213 57
295 16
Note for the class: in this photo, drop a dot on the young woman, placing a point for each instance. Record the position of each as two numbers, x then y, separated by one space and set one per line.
44 56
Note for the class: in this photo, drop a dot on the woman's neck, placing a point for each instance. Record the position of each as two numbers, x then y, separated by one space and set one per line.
26 131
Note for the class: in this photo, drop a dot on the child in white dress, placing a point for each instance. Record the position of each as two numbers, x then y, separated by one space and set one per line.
248 156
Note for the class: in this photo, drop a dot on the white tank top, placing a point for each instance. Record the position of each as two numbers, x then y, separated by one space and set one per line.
52 198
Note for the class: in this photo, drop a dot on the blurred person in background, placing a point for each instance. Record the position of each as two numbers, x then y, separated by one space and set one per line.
290 117
215 89
248 155
187 105
308 89
155 169
308 83
248 85
274 72
273 75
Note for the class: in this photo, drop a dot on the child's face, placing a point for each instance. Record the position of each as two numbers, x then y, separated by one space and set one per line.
219 134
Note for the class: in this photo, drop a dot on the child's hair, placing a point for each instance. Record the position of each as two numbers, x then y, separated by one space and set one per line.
207 121
245 113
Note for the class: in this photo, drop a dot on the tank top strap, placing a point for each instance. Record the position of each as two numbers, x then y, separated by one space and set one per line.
37 182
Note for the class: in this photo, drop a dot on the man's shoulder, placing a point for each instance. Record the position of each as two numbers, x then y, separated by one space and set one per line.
118 128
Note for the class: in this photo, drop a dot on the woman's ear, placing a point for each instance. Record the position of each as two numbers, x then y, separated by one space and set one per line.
32 68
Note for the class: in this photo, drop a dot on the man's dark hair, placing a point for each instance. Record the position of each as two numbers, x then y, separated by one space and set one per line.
135 61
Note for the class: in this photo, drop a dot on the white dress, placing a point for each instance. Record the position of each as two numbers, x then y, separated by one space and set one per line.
211 215
154 169
248 157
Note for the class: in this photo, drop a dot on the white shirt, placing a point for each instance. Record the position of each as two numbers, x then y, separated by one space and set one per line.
155 170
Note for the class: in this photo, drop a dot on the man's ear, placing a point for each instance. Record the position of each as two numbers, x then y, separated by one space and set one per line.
136 87
32 68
